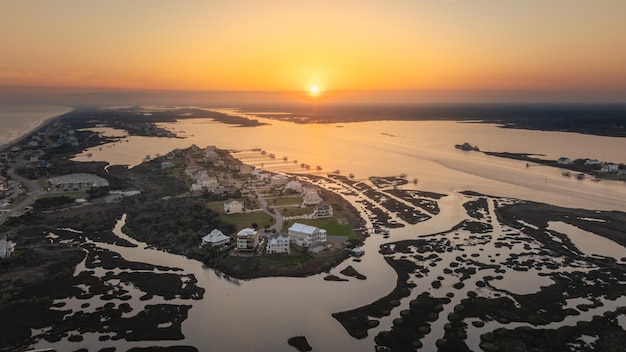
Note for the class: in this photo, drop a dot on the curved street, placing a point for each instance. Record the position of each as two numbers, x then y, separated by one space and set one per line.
31 192
278 225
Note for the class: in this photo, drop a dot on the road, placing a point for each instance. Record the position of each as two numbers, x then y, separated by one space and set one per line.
276 214
31 188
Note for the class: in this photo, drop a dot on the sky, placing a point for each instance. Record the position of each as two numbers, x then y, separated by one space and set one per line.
401 50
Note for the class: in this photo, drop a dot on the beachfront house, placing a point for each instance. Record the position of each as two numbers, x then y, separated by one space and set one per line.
306 236
310 196
215 238
278 243
323 210
233 206
260 174
294 186
247 239
609 167
6 246
279 180
245 169
564 161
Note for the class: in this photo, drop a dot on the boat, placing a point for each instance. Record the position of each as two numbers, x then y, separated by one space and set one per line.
285 158
319 168
467 146
271 155
89 154
580 176
566 173
351 175
357 252
147 158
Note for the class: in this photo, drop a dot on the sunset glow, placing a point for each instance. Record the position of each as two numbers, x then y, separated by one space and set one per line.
314 90
455 49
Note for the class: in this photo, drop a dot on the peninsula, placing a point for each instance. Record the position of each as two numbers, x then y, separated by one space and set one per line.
69 221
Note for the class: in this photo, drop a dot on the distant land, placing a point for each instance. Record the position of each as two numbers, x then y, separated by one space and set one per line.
596 119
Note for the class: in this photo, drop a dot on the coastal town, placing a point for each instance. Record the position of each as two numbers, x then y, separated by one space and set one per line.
269 211
65 224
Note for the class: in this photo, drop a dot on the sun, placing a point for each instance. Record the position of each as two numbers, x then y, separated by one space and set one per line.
314 90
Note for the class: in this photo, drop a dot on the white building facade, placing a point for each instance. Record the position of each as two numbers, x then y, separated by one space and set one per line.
247 240
215 238
307 236
233 206
278 243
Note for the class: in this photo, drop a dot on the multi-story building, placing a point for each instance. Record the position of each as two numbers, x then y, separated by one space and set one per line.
307 236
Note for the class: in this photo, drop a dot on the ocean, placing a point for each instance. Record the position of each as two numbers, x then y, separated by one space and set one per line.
19 120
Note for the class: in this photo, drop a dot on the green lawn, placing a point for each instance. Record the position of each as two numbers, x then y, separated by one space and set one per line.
283 201
282 259
295 211
335 226
241 221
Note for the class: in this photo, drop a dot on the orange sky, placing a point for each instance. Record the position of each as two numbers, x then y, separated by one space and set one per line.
434 46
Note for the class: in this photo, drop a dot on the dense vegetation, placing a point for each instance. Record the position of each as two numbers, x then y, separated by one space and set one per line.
187 220
52 202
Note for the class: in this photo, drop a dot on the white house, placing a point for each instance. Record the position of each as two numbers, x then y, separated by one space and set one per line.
247 239
245 169
210 183
259 174
563 160
306 236
310 196
279 180
278 243
215 238
6 247
233 206
609 167
592 162
294 186
323 210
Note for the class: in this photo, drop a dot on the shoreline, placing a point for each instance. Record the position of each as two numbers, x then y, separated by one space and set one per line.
470 238
44 123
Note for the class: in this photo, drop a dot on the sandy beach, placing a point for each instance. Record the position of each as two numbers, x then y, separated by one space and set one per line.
19 121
